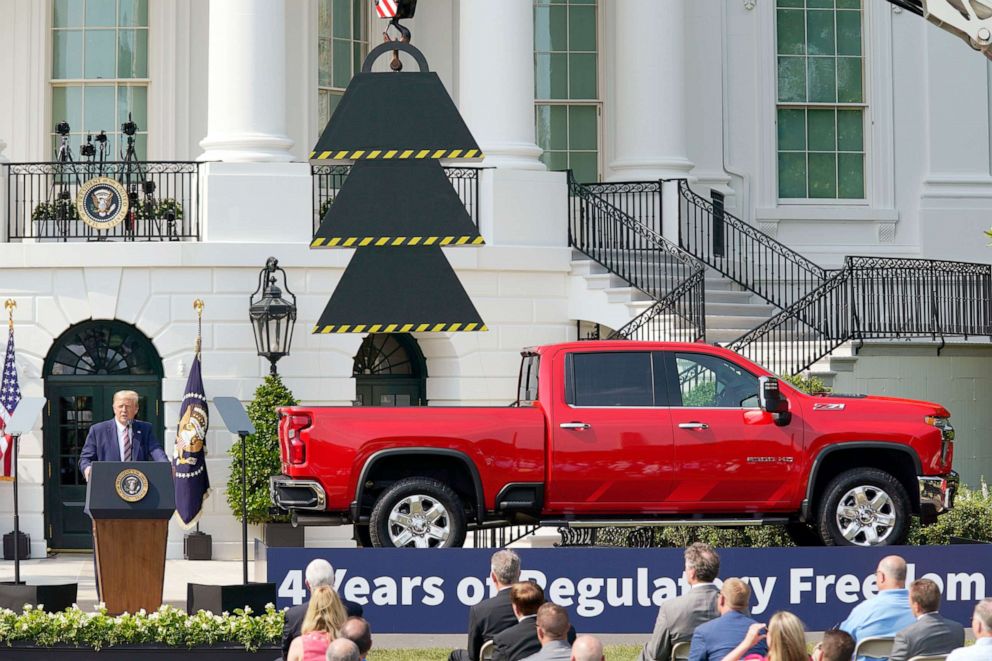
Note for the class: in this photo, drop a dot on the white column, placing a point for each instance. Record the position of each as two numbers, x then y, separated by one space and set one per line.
246 113
496 80
650 134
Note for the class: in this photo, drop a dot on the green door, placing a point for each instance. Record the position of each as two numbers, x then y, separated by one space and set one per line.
73 408
83 370
390 370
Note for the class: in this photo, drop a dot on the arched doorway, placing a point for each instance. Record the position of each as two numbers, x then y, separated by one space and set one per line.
86 365
390 370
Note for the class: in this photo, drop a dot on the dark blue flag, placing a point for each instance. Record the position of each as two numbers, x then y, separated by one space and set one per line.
189 453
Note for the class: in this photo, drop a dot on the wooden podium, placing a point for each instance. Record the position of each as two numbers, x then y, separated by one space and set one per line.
130 504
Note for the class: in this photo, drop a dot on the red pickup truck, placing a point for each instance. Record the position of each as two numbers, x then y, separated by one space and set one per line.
623 433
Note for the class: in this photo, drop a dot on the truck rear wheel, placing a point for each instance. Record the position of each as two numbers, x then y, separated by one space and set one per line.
864 507
418 512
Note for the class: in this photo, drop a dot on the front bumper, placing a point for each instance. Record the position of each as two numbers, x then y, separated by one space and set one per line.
937 495
292 494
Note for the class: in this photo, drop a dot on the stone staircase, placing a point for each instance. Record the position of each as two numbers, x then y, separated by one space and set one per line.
604 297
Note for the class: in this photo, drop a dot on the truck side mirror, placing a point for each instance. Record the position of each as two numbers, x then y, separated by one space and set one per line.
771 399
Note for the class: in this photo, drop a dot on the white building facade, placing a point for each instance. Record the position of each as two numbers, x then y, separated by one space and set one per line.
838 127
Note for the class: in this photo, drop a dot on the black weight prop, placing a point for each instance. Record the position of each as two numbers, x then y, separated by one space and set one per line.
383 204
397 206
395 116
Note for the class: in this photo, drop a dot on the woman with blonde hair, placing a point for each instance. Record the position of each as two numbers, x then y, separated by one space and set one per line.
786 640
325 615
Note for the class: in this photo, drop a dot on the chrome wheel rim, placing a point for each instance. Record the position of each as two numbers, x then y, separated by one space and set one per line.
419 521
866 515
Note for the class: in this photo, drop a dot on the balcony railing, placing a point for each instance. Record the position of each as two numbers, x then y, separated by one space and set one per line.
164 201
328 179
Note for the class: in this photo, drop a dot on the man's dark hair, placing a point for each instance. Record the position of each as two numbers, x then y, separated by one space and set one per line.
925 594
553 619
527 597
702 558
837 645
358 631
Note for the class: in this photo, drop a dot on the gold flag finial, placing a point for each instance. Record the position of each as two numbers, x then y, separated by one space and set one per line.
198 306
10 304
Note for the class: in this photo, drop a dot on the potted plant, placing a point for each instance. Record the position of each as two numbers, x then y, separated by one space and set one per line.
262 461
57 209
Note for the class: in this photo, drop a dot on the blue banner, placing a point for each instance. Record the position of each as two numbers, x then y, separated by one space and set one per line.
619 590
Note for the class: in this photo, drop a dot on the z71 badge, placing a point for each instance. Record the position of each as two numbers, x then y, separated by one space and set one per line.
828 407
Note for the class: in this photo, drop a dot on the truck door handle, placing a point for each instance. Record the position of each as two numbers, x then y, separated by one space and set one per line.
693 425
575 425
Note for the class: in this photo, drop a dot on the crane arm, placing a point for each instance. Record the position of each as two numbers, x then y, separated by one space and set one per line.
970 20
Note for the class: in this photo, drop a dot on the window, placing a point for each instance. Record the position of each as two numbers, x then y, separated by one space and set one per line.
610 379
527 383
566 81
709 381
100 71
821 99
342 44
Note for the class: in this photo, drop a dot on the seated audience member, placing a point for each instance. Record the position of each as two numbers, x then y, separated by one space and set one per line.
836 645
552 631
715 639
520 640
488 618
786 639
318 573
587 648
981 625
888 612
932 633
341 649
358 631
324 618
679 617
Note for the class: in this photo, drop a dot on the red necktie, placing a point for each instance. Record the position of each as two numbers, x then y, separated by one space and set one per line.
127 445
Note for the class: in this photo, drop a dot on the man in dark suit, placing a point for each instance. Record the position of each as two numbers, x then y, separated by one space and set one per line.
932 633
488 618
319 573
121 439
679 617
717 638
520 640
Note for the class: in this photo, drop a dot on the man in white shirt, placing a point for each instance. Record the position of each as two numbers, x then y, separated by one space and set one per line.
981 624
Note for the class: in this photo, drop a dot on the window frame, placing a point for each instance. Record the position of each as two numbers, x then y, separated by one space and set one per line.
769 209
675 388
596 103
864 106
660 388
82 83
366 39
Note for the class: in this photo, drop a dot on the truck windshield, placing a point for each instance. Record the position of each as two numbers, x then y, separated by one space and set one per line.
527 382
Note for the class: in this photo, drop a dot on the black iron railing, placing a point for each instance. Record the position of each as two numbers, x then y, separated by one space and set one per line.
328 179
641 256
164 201
875 297
743 253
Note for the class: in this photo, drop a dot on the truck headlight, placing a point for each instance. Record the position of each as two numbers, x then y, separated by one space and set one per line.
946 433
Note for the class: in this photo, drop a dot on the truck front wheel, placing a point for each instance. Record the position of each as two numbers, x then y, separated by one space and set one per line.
418 512
864 507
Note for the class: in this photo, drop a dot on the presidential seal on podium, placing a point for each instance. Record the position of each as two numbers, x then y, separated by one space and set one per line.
131 485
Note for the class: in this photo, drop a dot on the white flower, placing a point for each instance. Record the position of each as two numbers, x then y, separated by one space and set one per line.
28 607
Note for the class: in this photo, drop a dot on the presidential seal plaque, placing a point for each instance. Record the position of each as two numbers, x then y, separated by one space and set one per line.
131 485
102 203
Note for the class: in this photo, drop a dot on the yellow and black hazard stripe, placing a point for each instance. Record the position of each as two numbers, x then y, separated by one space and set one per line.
390 241
387 154
400 328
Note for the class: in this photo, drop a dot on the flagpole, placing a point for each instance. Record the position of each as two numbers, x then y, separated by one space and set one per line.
10 304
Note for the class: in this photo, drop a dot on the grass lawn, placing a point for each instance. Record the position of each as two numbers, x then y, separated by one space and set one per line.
613 653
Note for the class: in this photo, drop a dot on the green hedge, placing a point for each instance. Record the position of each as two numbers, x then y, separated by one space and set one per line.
971 518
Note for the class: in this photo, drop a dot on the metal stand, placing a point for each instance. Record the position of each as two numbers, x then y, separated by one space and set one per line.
244 511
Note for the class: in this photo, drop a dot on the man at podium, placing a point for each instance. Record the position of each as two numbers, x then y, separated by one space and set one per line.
121 439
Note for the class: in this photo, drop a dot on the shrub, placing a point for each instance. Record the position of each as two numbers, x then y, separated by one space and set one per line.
57 209
807 383
261 451
971 517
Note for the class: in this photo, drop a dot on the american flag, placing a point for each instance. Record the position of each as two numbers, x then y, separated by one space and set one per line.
10 395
